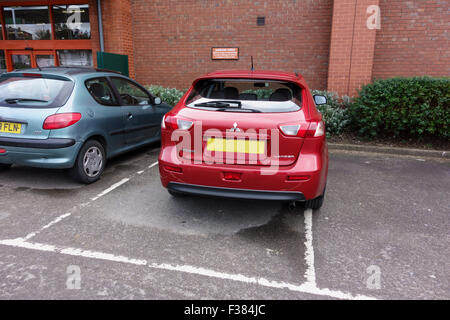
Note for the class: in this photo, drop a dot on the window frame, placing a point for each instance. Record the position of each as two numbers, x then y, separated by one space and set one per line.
111 86
151 97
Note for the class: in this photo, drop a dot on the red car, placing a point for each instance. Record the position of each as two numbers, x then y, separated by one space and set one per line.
247 135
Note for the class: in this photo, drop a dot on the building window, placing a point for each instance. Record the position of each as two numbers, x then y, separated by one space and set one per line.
27 23
45 60
75 58
71 22
2 62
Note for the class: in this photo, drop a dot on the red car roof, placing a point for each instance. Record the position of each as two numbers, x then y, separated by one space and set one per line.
257 74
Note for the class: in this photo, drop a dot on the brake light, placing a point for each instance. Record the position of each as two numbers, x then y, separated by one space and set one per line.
316 129
2 150
172 123
290 130
32 75
61 120
311 129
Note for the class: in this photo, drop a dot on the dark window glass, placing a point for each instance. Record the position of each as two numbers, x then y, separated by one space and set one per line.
130 93
27 23
17 91
101 91
72 22
75 58
2 62
21 61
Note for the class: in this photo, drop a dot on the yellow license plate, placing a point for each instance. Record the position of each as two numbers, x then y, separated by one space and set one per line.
10 127
236 145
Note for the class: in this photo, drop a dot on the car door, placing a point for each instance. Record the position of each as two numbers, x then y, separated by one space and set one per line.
109 112
141 119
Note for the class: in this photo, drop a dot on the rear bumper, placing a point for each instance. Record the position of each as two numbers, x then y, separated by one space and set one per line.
235 193
51 143
209 179
53 154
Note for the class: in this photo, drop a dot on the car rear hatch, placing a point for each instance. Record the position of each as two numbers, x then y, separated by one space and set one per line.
243 138
27 99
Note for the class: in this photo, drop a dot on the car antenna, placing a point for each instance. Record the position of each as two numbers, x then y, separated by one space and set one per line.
252 64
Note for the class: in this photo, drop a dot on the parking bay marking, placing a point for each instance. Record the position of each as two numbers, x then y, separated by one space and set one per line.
309 287
101 194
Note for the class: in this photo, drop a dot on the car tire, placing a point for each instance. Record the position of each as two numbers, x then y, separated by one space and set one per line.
316 203
90 162
4 167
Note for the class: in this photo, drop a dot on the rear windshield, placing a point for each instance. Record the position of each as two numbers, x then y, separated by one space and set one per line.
34 92
245 95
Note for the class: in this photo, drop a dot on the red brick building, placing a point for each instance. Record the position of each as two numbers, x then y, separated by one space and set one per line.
336 44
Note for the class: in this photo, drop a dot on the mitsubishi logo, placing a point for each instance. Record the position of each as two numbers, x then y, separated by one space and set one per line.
235 128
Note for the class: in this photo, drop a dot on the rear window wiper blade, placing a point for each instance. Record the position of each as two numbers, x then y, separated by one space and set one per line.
15 100
240 110
219 104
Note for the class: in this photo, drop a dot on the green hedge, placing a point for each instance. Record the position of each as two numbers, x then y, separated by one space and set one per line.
403 107
397 107
335 112
171 96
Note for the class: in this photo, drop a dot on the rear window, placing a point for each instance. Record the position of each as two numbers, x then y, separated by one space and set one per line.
245 95
34 91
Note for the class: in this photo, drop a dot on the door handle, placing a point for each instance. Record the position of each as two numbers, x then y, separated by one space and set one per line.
130 116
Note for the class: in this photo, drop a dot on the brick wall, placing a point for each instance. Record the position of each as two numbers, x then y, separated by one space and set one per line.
173 39
352 46
118 29
414 39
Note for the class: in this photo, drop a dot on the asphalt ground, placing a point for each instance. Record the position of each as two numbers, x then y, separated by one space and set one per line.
383 233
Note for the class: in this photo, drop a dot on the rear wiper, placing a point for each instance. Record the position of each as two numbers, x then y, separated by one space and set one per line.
15 100
219 104
239 110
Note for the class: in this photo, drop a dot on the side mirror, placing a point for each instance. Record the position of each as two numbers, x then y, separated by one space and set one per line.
157 100
320 99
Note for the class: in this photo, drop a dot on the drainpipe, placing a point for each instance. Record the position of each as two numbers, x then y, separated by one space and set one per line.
100 25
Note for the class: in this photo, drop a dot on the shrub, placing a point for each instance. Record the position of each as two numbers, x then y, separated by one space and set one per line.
335 112
403 107
262 94
170 96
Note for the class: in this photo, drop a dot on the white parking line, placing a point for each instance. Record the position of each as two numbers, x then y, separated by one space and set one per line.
310 272
101 194
58 219
308 288
153 164
113 187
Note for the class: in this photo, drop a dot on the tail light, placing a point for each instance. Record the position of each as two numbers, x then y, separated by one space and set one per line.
311 129
2 150
61 120
172 123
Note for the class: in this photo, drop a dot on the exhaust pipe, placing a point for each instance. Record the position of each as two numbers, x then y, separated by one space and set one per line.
292 206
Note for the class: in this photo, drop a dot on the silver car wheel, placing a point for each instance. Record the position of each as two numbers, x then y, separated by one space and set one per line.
92 162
